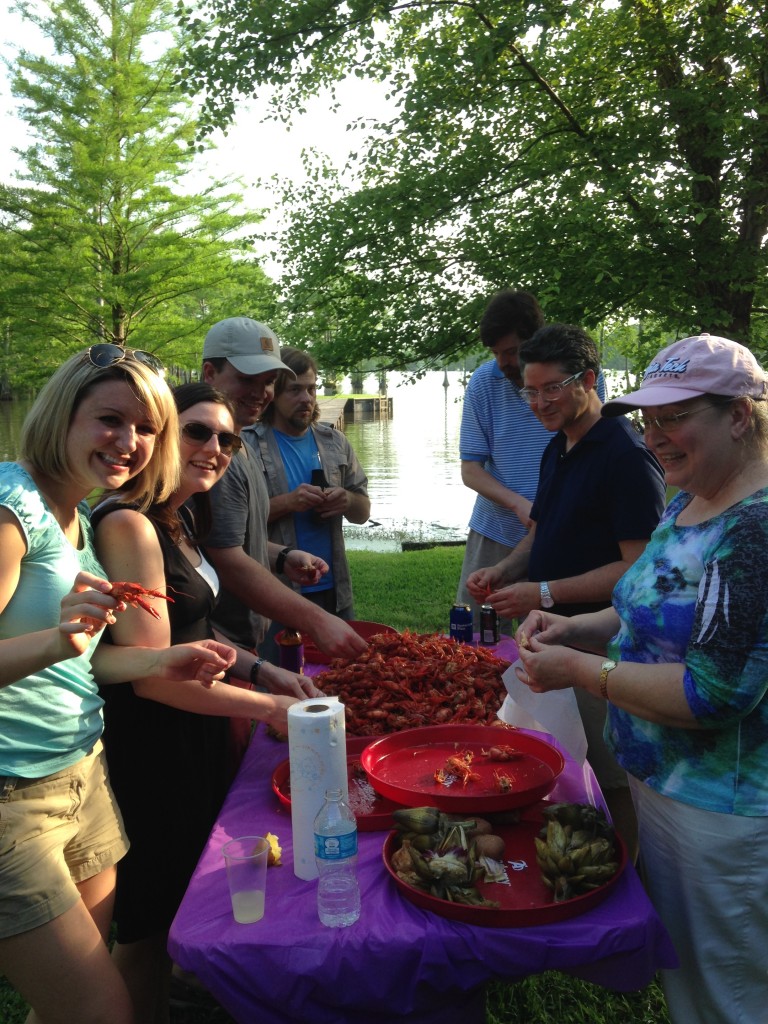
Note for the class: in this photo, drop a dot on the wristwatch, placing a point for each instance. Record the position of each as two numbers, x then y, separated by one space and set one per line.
606 667
546 597
280 562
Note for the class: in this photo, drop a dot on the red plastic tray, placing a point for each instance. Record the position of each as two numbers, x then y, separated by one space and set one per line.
314 656
377 820
402 765
526 901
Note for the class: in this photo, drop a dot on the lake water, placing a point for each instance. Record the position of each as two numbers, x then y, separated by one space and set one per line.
11 417
411 460
412 463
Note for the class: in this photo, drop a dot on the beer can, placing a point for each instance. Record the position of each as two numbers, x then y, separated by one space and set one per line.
291 650
461 624
489 625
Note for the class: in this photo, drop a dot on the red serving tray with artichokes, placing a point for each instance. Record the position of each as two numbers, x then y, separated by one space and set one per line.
526 901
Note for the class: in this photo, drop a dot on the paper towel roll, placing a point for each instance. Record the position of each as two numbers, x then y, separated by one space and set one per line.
317 748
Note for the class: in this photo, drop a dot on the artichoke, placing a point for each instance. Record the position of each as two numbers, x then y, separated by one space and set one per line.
450 865
576 850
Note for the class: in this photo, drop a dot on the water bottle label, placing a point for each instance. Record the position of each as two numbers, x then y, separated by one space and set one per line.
336 847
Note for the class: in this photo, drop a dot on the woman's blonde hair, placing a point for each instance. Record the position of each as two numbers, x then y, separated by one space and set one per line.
756 436
46 427
759 424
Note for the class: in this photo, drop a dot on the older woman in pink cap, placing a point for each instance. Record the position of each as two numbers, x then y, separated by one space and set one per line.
681 657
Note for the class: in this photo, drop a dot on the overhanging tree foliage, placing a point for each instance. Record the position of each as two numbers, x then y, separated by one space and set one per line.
611 156
109 241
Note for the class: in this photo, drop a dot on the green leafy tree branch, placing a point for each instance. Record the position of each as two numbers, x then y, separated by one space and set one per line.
612 157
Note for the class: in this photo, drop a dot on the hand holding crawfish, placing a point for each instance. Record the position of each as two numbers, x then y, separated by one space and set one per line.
138 596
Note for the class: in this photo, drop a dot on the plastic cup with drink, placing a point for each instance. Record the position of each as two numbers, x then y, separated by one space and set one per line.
246 862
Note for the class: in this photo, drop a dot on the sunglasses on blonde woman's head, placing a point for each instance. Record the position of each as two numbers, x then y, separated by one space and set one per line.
199 434
106 354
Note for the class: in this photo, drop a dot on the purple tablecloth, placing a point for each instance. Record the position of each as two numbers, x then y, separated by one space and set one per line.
398 962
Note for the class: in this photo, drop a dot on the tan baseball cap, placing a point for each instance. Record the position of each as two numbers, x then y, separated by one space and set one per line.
251 347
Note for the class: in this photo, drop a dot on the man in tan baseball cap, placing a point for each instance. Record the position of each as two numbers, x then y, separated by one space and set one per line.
241 358
252 348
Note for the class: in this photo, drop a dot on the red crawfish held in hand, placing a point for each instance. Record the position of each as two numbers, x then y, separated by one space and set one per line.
138 596
411 679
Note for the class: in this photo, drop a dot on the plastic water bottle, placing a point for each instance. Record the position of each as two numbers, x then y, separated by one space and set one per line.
338 894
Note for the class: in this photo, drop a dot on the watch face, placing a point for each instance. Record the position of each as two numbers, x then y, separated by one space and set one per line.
547 602
546 597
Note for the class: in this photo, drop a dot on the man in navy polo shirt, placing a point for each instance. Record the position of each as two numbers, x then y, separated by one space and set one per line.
600 496
502 440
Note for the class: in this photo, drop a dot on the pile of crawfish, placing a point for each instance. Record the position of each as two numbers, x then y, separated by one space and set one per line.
407 680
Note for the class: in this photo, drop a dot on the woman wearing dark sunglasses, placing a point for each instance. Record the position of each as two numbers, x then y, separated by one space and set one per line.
100 422
168 755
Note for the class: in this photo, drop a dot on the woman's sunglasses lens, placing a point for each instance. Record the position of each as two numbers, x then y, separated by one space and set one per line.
150 361
105 355
230 443
197 432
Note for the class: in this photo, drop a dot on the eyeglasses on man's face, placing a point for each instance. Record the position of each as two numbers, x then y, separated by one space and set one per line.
106 354
198 434
550 392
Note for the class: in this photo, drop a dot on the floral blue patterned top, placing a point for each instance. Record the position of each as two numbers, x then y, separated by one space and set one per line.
698 595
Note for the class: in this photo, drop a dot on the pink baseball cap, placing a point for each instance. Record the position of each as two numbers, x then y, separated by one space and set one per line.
704 365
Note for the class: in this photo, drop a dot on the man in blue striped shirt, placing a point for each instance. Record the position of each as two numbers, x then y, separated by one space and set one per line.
501 440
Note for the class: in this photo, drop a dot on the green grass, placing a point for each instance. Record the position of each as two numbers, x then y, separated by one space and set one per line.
408 589
415 590
554 997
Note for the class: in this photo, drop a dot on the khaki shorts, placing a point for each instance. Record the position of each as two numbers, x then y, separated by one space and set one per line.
55 832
